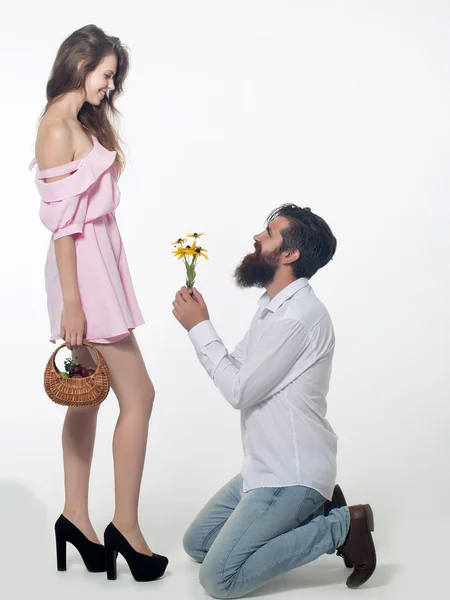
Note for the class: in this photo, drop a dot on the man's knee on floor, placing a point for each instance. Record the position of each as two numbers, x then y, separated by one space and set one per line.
191 546
212 581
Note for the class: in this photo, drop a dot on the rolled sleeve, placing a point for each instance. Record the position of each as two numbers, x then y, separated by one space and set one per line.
65 217
73 229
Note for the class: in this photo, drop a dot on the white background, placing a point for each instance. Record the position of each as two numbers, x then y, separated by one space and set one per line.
232 108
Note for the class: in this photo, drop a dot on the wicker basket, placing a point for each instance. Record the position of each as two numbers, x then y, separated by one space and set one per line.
86 391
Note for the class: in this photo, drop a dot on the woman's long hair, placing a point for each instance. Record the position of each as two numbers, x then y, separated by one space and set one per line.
90 44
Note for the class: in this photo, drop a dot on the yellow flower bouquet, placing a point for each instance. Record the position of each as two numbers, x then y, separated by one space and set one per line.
189 253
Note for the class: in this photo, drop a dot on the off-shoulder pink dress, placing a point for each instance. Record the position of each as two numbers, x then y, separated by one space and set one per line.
82 205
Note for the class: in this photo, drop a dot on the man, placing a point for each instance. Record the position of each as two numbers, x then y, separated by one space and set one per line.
280 512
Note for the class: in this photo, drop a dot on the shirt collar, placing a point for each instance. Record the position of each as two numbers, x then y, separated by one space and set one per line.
273 305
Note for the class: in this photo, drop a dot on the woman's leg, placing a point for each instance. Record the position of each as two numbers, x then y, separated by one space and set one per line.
135 393
78 439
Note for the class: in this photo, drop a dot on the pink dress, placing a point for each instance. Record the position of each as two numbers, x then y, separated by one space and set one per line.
83 205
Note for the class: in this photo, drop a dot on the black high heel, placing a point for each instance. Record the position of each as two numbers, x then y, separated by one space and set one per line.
142 566
93 554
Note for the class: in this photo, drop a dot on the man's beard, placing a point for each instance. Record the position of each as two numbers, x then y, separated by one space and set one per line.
257 269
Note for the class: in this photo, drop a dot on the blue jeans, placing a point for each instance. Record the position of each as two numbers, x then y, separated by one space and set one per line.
244 540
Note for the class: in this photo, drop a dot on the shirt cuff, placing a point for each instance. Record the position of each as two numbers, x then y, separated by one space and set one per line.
73 229
203 334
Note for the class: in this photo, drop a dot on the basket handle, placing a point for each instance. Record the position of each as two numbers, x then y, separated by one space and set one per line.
100 359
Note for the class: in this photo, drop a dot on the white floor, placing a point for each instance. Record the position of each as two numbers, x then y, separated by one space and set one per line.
324 579
404 547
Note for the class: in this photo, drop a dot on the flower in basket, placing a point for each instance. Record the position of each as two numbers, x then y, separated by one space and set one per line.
190 253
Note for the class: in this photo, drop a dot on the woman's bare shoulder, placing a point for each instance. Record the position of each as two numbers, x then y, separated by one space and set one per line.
54 142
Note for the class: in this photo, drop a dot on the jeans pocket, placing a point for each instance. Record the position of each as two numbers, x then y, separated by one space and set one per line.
309 507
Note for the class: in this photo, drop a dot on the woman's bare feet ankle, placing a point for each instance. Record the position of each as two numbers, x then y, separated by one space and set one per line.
83 523
133 535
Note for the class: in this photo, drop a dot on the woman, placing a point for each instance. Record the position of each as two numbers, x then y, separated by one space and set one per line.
90 293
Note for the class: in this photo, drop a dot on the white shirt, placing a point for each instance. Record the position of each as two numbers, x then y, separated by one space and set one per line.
278 377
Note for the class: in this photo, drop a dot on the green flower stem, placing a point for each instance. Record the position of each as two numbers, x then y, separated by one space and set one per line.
190 272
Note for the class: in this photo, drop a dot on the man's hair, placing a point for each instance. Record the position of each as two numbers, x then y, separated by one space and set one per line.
308 233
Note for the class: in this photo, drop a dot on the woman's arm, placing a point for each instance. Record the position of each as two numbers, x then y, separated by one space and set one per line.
55 147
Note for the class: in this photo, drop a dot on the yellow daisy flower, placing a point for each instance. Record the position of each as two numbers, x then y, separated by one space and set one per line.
190 254
195 235
200 251
184 251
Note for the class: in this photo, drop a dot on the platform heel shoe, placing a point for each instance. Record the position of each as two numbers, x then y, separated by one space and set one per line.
142 566
93 554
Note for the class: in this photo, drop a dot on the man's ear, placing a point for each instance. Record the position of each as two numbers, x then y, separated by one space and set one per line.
290 256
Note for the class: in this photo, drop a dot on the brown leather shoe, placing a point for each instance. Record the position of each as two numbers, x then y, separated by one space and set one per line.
358 547
337 501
